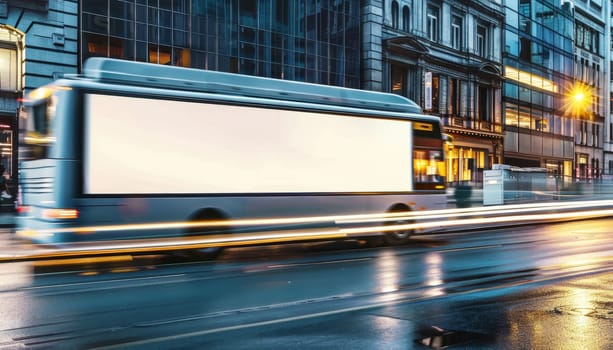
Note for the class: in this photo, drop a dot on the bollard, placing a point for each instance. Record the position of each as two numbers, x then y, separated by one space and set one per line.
462 196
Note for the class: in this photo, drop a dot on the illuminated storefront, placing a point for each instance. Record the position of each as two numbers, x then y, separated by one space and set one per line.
11 87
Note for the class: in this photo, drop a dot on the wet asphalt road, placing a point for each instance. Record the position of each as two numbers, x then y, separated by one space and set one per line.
537 287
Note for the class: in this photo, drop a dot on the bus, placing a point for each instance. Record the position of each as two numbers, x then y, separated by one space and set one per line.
127 143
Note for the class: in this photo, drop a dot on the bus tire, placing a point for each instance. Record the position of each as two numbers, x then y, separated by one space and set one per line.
208 214
398 237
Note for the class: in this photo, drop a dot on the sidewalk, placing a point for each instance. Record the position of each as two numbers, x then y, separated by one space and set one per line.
577 192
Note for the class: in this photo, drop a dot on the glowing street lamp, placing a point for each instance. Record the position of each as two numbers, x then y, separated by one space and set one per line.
579 97
578 101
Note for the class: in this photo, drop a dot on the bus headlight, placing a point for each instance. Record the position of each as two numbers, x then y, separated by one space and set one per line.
60 214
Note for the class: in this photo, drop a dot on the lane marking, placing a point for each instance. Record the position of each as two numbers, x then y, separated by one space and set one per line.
392 302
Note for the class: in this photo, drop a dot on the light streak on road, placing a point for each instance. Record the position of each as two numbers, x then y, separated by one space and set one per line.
488 220
338 219
498 210
434 274
310 234
388 273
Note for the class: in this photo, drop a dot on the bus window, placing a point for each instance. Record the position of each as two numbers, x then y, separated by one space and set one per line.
429 169
35 126
428 157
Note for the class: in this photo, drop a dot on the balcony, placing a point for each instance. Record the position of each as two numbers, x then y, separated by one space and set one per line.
470 125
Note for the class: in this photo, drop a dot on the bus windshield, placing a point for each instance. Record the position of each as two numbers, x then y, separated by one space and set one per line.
35 121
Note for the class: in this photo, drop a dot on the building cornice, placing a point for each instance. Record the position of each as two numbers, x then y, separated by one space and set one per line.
472 132
487 8
407 44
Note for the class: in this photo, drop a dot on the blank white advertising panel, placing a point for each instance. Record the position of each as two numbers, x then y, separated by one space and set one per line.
150 146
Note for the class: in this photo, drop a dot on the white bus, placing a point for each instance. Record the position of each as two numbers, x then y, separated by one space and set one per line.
130 143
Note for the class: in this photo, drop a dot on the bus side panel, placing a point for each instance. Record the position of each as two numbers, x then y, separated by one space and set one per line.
162 146
127 213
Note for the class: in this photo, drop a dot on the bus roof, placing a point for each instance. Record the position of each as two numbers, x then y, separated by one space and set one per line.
172 77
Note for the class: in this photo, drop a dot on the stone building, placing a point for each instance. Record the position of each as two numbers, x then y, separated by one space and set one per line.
447 56
38 43
497 72
591 66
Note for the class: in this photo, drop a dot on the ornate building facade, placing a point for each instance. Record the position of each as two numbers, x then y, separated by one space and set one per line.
591 66
447 56
38 43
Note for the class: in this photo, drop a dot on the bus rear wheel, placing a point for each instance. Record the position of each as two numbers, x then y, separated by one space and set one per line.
205 215
398 236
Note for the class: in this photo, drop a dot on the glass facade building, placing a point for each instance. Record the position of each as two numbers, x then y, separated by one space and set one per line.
538 60
303 40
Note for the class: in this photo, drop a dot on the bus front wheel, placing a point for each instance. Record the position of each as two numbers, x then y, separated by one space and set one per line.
398 236
203 216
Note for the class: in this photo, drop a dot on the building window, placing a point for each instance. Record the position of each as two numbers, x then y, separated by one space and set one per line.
587 38
435 93
596 68
525 10
10 58
398 80
482 41
464 101
525 50
582 134
454 97
395 14
457 95
456 32
578 35
432 23
485 105
294 40
9 76
406 19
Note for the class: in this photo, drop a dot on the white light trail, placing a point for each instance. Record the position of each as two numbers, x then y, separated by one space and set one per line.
337 219
296 235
